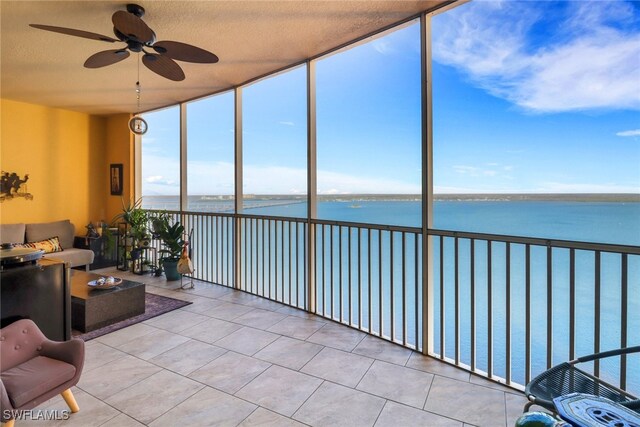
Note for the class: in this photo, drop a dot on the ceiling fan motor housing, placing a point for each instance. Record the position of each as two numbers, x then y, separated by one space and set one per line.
135 9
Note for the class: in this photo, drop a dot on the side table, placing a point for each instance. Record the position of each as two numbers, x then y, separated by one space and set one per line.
104 250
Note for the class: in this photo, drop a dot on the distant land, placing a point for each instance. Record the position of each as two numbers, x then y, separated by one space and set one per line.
557 197
488 197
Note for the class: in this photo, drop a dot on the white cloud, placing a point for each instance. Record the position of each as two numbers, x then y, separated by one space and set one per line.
154 178
588 63
340 183
217 178
474 171
634 132
382 46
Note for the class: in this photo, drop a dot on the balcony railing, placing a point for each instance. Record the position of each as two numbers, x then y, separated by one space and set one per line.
504 307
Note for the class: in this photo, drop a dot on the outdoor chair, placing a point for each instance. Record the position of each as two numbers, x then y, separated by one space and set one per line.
34 369
567 378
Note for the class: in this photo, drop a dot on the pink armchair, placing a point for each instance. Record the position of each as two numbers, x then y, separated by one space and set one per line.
33 369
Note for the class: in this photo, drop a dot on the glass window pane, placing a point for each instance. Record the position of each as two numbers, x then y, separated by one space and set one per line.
160 160
210 154
274 137
369 131
532 135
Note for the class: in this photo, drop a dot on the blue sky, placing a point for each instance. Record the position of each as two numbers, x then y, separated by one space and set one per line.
527 97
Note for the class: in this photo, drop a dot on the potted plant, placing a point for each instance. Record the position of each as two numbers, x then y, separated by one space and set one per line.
137 220
136 233
172 239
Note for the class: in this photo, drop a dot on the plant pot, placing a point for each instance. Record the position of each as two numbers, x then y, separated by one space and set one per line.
136 253
171 270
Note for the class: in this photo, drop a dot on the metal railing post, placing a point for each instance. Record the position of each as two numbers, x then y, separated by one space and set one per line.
427 185
312 197
238 196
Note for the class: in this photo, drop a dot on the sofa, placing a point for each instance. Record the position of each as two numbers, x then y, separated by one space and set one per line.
42 232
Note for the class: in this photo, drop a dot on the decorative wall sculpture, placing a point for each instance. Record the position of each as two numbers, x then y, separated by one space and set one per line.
11 185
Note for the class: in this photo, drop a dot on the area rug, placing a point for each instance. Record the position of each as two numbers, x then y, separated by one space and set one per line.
155 305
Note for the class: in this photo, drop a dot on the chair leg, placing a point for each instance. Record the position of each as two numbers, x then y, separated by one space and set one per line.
527 407
9 423
71 401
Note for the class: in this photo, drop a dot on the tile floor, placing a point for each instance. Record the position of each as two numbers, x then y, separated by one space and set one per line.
233 359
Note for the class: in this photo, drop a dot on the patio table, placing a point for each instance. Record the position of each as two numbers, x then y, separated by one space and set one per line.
586 410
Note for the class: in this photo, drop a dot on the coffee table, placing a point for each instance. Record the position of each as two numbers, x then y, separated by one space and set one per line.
95 308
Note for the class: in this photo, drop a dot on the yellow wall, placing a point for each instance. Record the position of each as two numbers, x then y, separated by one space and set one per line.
64 154
119 149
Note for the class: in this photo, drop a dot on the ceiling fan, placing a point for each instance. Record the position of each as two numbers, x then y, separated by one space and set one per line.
129 28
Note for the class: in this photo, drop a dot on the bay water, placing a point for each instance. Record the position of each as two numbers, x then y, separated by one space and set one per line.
586 221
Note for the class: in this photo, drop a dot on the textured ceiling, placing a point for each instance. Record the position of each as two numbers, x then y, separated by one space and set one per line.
251 38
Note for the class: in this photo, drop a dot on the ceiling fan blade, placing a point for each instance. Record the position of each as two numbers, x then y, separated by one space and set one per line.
106 57
74 32
184 52
132 26
166 67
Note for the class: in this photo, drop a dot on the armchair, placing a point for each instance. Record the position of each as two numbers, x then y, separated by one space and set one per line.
567 378
33 369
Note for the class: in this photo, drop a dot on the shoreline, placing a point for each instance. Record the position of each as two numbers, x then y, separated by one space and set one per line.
475 197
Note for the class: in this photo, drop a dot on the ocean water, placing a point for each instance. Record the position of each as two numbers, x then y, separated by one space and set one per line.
597 222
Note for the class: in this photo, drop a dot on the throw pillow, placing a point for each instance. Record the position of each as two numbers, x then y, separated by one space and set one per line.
49 245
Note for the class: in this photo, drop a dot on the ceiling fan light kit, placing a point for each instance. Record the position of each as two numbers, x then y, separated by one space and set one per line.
158 57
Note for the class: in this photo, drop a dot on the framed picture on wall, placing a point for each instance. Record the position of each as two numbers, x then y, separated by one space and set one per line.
115 178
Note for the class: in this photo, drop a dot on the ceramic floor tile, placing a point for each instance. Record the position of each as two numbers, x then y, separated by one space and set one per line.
296 327
188 357
153 344
279 389
240 298
398 383
97 354
130 333
230 372
435 366
200 305
247 340
166 390
207 408
338 366
289 352
397 415
115 376
260 319
212 291
265 304
93 412
264 418
123 420
211 330
515 405
476 379
337 336
176 320
292 311
383 350
335 405
466 402
228 311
